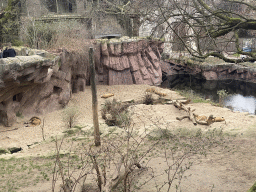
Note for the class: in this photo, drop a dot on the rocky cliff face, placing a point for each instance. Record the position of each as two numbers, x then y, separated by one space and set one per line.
43 82
29 85
129 61
212 72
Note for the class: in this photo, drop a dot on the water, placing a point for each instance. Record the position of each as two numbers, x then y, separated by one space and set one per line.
241 95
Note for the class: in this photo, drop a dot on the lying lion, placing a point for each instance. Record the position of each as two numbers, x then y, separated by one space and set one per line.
107 95
33 121
154 90
204 120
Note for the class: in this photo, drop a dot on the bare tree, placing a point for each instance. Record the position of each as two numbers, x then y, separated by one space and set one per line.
210 26
130 14
202 28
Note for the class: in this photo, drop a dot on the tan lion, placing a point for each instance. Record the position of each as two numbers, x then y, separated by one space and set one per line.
154 90
34 121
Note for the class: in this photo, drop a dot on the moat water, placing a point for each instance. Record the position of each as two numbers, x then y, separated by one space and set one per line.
241 95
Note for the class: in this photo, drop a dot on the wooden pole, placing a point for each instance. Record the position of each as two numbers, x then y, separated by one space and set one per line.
94 100
57 7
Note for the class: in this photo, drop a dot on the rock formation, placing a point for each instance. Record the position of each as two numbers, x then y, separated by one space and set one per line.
211 72
129 61
41 82
30 84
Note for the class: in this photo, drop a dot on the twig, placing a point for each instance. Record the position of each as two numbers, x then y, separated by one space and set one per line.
42 127
9 130
96 166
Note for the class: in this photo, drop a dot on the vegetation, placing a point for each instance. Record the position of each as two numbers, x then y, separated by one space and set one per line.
10 23
194 97
253 188
148 99
69 34
206 29
76 158
116 113
119 162
22 172
69 116
222 95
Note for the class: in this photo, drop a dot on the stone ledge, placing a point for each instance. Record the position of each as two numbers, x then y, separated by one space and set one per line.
19 63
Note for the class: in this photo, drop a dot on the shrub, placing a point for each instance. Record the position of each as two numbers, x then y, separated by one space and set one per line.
69 116
69 34
222 95
148 99
115 113
40 35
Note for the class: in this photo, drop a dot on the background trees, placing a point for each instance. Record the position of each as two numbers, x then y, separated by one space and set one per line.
211 27
201 28
10 21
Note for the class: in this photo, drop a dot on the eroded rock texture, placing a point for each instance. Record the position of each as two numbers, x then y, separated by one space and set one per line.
212 72
29 85
129 62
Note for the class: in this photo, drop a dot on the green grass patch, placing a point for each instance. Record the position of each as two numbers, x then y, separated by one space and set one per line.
3 151
194 97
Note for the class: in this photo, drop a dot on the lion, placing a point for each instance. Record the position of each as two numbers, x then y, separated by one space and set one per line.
204 120
154 90
33 121
107 95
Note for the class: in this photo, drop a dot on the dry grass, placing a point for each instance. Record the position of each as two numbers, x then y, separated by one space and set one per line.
115 113
148 99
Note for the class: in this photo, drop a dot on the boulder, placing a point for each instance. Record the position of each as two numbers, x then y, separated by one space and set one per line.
210 75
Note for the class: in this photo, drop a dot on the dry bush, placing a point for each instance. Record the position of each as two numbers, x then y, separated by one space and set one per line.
70 115
110 166
121 163
148 99
115 113
70 34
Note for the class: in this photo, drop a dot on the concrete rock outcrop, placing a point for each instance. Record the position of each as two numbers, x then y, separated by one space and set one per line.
129 61
211 72
31 85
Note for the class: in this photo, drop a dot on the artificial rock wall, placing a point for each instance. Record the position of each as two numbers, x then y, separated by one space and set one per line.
31 85
129 61
43 82
222 71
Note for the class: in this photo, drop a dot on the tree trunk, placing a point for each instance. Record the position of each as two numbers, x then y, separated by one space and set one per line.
94 100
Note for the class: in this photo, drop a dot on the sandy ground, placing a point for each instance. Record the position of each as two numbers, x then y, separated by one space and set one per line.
219 171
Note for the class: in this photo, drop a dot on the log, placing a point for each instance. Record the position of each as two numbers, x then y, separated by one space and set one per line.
181 118
94 99
168 101
196 119
180 106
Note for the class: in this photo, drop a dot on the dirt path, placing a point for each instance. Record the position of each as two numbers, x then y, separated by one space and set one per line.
229 169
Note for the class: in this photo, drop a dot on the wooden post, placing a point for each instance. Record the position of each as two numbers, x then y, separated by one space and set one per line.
57 7
94 100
